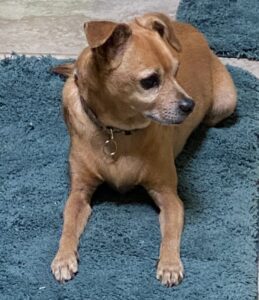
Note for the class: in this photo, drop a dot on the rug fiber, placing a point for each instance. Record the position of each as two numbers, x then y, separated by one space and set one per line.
231 26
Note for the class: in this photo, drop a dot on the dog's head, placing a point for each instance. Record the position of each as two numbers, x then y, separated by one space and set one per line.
128 73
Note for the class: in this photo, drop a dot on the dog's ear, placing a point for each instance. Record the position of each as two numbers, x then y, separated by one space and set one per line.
65 69
163 25
107 40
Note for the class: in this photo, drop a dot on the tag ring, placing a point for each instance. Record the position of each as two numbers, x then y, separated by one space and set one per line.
110 146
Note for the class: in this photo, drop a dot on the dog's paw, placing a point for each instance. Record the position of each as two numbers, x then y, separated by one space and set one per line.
170 272
64 266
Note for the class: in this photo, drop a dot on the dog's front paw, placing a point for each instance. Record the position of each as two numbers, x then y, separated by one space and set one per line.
64 266
170 272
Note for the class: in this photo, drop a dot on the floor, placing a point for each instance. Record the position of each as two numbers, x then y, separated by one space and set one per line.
40 27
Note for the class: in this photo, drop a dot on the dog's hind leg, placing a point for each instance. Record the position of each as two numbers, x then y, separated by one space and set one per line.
224 94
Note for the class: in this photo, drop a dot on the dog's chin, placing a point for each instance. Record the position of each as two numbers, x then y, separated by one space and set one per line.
172 120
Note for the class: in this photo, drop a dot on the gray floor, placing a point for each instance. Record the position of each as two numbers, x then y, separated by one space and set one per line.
39 27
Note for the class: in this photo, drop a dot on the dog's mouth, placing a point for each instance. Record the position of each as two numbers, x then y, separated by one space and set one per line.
165 121
165 117
176 113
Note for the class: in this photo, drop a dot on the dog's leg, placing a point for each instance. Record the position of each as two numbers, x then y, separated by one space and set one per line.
224 94
169 268
76 214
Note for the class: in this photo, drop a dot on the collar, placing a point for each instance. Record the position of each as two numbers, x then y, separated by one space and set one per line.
93 117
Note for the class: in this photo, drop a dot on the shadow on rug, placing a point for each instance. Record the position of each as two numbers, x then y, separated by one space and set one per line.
231 26
120 247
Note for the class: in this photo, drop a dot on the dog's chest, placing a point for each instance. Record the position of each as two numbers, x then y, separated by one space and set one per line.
123 172
125 168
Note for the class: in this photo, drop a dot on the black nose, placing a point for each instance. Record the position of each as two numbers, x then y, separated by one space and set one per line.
186 105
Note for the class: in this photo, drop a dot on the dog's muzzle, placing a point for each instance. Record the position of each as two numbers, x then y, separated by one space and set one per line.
174 113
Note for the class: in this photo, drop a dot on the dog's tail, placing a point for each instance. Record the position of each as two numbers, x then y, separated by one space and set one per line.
65 69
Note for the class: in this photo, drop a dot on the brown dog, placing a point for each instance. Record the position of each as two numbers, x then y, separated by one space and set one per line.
131 100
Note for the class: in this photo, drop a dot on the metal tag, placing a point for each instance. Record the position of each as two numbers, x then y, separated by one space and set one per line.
110 146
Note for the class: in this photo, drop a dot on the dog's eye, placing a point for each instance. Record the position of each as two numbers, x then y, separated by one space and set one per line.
150 82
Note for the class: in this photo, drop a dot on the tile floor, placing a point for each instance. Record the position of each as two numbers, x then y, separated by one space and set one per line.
40 27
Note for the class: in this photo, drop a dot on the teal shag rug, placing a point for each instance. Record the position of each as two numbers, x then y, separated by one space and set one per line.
231 26
120 247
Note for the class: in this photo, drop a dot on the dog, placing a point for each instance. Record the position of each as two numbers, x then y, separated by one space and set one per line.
131 100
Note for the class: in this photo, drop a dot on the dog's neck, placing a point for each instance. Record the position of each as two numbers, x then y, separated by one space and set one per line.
93 117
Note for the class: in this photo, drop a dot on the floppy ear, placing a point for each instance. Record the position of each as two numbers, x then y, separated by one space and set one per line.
163 25
107 40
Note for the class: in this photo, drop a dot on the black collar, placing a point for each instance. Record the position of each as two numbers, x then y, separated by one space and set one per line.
92 116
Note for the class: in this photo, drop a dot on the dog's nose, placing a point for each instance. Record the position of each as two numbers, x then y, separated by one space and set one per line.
186 105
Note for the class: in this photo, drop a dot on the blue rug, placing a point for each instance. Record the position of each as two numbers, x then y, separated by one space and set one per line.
120 247
231 26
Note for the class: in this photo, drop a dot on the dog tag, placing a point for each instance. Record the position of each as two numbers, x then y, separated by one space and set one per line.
110 146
